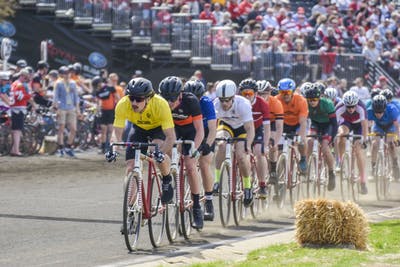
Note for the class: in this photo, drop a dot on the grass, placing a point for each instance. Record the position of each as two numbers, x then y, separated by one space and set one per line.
384 250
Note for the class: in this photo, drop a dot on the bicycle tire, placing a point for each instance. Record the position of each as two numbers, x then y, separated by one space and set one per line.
172 222
323 180
345 183
355 181
311 177
132 213
280 187
294 184
186 208
224 195
259 204
237 199
157 212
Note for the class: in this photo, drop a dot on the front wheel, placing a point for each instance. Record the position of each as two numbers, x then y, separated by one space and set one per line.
172 222
224 194
280 187
311 177
132 212
294 182
345 178
237 198
157 213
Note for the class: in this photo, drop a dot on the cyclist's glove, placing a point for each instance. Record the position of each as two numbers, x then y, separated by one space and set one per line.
205 149
111 156
195 154
158 156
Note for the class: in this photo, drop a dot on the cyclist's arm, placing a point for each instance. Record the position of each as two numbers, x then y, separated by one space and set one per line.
212 131
249 127
267 134
169 141
118 133
198 126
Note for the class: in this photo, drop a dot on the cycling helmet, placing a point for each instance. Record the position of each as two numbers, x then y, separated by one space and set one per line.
248 84
320 86
77 67
274 91
312 91
286 84
170 87
379 103
305 87
331 93
375 91
63 70
21 63
139 87
42 64
226 88
388 94
264 86
4 75
350 98
96 81
196 87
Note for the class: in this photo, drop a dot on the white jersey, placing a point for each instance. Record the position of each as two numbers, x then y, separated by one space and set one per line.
237 115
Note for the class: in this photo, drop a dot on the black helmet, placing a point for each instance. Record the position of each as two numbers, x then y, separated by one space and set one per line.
196 87
139 87
375 91
248 84
321 87
388 94
96 81
21 63
379 103
274 91
170 87
313 91
42 64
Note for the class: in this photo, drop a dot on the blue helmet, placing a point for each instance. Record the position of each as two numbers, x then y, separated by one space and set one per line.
286 84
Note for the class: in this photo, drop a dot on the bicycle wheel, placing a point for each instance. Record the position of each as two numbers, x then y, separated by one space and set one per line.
294 183
157 213
237 198
224 194
345 183
186 208
280 188
355 180
5 140
388 177
132 212
172 223
310 184
322 181
259 204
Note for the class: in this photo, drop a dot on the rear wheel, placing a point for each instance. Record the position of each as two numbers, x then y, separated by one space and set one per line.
157 213
224 195
172 224
280 187
294 183
311 177
132 213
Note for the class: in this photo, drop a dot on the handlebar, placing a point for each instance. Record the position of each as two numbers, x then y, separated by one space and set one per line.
382 135
355 136
135 145
186 142
231 140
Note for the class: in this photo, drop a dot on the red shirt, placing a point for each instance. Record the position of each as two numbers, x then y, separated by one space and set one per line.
207 15
260 109
18 90
233 8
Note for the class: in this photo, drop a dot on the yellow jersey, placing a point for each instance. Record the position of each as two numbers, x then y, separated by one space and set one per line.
156 113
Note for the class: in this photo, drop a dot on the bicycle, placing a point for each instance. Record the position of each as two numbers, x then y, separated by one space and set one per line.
349 177
230 185
142 205
383 169
288 174
179 212
317 172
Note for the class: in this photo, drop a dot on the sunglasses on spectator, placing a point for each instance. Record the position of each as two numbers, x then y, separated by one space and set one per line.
248 93
350 107
286 92
136 99
313 99
225 99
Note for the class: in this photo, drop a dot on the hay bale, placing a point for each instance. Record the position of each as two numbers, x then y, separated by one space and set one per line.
330 223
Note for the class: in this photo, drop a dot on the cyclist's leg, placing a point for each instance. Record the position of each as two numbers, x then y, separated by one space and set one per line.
205 162
273 151
243 161
360 159
375 142
392 152
342 130
223 130
258 150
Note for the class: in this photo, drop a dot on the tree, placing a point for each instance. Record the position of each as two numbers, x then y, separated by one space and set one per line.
7 9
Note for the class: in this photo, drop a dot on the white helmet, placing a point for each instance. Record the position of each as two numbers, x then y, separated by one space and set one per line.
331 93
264 86
350 98
226 88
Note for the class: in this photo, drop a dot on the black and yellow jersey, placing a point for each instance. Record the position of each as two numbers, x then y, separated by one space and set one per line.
157 113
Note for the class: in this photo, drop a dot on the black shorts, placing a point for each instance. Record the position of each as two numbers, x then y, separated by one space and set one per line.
290 129
17 121
238 132
107 117
353 127
185 133
259 135
320 128
143 136
273 126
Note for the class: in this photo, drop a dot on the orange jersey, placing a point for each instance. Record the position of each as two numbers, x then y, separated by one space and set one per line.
275 109
120 91
297 107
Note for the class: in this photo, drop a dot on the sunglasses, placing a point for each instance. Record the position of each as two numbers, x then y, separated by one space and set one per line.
226 99
350 107
286 92
136 99
312 99
378 112
248 93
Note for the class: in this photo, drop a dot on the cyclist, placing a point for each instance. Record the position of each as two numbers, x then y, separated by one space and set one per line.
374 92
248 88
208 144
332 94
323 121
188 120
295 116
276 118
388 94
384 118
351 116
235 120
152 119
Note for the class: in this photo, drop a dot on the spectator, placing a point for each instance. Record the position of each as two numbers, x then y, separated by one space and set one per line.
382 83
319 8
246 52
359 40
5 88
370 52
206 14
269 20
137 74
233 9
361 90
38 82
218 14
288 24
